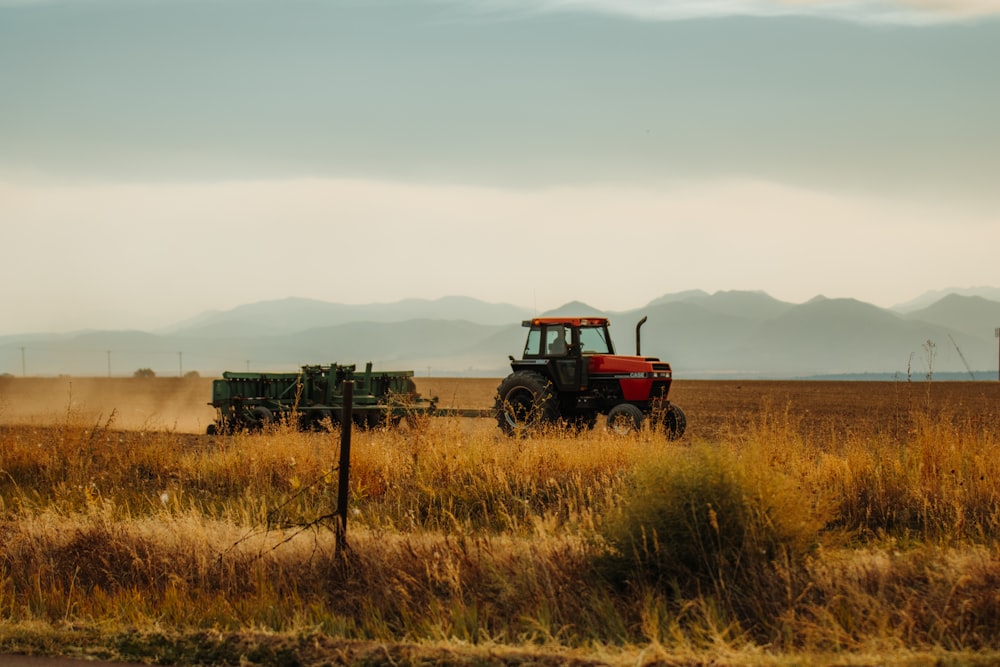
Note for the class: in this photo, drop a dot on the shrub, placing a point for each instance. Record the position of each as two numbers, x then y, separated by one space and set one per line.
710 522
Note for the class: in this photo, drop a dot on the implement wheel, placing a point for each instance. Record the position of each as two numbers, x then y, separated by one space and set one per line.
524 400
320 421
259 417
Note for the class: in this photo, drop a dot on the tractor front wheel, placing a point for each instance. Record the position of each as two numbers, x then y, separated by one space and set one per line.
624 418
674 422
525 400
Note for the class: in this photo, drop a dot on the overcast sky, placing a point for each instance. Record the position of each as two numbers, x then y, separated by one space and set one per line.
160 158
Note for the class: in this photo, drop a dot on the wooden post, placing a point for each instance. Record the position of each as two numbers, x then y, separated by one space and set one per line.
346 417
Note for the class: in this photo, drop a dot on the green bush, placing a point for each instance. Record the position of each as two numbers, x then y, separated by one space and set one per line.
708 521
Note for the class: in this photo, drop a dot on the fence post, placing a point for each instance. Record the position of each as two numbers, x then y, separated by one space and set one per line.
346 418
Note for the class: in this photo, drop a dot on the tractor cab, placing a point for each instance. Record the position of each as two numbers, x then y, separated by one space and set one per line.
560 337
562 346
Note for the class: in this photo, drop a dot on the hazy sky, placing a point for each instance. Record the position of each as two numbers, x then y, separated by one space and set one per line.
159 158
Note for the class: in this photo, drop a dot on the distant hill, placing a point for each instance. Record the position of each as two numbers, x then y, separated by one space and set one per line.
928 298
972 315
285 316
574 309
725 334
684 333
754 305
679 296
841 336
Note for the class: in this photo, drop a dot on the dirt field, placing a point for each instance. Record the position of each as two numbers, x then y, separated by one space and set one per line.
716 406
712 406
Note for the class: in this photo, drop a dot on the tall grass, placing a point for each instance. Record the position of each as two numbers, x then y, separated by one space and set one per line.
773 538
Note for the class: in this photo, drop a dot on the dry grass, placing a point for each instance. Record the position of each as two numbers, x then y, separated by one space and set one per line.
779 531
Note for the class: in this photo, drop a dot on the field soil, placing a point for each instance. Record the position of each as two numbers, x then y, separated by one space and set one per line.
713 407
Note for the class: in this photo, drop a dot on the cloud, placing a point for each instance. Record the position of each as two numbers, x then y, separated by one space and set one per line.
902 12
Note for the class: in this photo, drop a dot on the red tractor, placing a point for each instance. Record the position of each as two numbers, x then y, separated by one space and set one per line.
569 372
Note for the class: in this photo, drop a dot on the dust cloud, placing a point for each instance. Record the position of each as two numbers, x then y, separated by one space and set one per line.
154 404
165 404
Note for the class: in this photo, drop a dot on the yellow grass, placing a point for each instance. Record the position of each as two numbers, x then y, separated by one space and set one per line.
863 535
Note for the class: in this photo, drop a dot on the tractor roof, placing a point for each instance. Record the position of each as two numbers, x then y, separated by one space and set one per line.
571 321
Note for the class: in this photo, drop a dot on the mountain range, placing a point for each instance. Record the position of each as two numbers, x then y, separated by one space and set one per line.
730 334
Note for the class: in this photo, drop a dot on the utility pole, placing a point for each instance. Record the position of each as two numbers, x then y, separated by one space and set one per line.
23 367
996 332
109 362
180 364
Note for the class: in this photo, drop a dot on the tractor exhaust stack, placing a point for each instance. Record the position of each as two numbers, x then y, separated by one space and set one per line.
637 345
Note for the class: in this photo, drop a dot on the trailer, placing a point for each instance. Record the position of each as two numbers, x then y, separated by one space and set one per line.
313 398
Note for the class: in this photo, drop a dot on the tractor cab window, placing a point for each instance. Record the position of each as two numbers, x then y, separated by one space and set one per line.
594 340
557 341
534 342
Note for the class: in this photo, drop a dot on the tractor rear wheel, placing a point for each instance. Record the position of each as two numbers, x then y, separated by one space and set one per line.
525 400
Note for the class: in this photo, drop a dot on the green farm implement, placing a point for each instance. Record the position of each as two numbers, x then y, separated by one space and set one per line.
313 398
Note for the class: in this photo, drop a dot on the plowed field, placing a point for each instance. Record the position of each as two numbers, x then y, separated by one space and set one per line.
713 407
